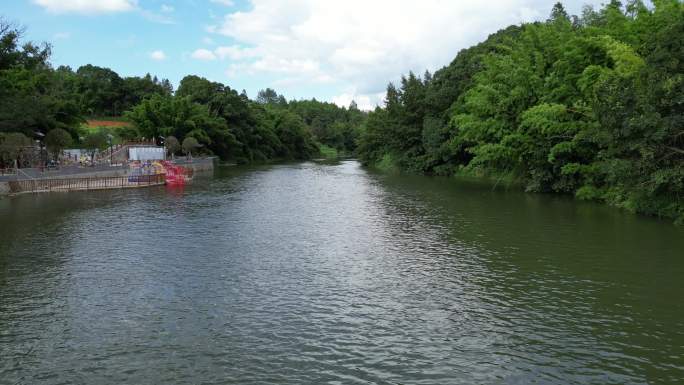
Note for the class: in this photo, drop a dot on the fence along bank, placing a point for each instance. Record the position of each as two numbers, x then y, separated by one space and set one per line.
123 166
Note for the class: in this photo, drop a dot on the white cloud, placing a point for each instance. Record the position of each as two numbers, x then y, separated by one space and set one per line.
360 45
91 7
203 54
364 102
158 55
235 52
87 6
227 3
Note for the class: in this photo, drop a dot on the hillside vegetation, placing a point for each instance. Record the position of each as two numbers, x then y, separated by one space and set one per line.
36 99
590 105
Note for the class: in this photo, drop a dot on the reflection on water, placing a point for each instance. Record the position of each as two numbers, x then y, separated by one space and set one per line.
319 273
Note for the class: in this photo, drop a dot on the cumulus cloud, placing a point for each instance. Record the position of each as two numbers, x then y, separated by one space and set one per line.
158 55
203 54
233 52
360 45
363 102
92 7
87 6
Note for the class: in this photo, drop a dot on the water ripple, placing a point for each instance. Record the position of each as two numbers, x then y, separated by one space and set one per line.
312 273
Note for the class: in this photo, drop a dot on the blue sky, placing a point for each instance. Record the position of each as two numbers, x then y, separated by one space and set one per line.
331 50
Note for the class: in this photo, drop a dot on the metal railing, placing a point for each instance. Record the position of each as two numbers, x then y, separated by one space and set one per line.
94 183
8 171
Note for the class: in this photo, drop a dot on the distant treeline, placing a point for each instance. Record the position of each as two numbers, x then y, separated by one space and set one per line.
38 102
590 105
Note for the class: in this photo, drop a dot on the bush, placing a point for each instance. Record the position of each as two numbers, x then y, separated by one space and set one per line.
190 144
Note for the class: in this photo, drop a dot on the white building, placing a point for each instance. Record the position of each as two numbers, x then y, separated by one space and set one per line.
146 153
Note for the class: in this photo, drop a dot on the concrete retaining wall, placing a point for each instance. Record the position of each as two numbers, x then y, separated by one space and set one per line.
198 165
66 172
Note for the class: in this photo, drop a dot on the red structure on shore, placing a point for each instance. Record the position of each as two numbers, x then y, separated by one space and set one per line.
176 175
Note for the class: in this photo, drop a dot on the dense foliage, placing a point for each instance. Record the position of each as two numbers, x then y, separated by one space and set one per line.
36 100
47 104
31 102
590 105
102 92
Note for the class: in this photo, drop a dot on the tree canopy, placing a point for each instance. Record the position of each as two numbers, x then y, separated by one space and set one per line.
36 99
57 140
588 105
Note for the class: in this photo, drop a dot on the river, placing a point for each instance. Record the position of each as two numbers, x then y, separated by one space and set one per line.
316 273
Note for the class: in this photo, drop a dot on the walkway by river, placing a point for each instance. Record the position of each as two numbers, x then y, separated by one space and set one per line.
327 273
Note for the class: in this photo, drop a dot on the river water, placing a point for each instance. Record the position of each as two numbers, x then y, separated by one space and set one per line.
318 273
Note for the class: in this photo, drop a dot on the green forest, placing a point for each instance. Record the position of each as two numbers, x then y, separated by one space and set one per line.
589 105
39 102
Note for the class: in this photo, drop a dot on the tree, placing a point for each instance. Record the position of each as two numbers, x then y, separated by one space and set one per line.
12 146
101 91
181 117
57 140
36 99
29 100
295 137
330 124
198 89
590 106
94 142
10 34
172 144
189 145
12 55
137 89
558 13
268 96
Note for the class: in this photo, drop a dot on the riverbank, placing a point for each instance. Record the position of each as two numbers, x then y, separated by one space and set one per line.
388 164
87 178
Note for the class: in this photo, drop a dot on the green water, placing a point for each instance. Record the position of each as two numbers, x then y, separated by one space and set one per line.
328 273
